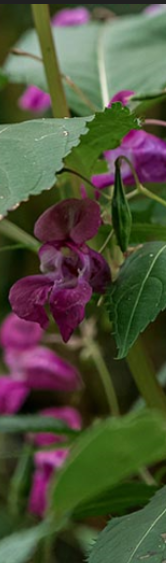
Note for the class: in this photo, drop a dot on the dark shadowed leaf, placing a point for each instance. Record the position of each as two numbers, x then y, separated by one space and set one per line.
117 500
107 453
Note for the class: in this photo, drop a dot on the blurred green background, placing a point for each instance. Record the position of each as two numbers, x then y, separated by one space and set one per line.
14 20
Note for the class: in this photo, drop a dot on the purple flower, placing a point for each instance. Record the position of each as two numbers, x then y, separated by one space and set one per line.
154 9
17 334
12 395
41 368
34 99
146 152
71 16
71 271
70 416
48 462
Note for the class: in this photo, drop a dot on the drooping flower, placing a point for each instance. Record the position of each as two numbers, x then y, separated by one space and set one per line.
41 368
146 152
71 271
32 365
34 99
48 463
19 335
12 395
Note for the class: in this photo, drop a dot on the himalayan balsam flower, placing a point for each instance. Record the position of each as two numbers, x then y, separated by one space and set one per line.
13 394
146 152
41 368
31 366
71 271
19 335
34 99
48 463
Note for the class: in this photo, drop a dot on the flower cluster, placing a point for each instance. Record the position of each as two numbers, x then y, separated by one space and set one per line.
34 99
146 152
32 366
71 270
48 462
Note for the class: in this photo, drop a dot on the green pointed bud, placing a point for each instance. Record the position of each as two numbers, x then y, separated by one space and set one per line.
121 214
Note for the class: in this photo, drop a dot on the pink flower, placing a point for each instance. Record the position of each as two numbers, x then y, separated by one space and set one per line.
17 334
146 152
47 463
34 99
41 368
32 366
71 16
12 395
71 271
154 9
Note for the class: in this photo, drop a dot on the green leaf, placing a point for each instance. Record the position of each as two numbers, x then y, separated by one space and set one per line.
101 59
117 501
19 547
32 152
140 537
34 423
104 455
139 294
30 155
105 132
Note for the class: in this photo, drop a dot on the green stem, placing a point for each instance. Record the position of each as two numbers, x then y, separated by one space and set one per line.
42 22
144 375
140 189
152 196
106 242
11 231
105 378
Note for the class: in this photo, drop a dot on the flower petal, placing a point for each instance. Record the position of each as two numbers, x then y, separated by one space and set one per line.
38 495
71 16
28 297
35 100
123 96
71 220
12 395
147 154
43 369
17 334
68 307
100 272
67 414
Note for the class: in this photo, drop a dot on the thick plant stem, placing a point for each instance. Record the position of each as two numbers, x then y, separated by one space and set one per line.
105 379
12 232
42 23
144 375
